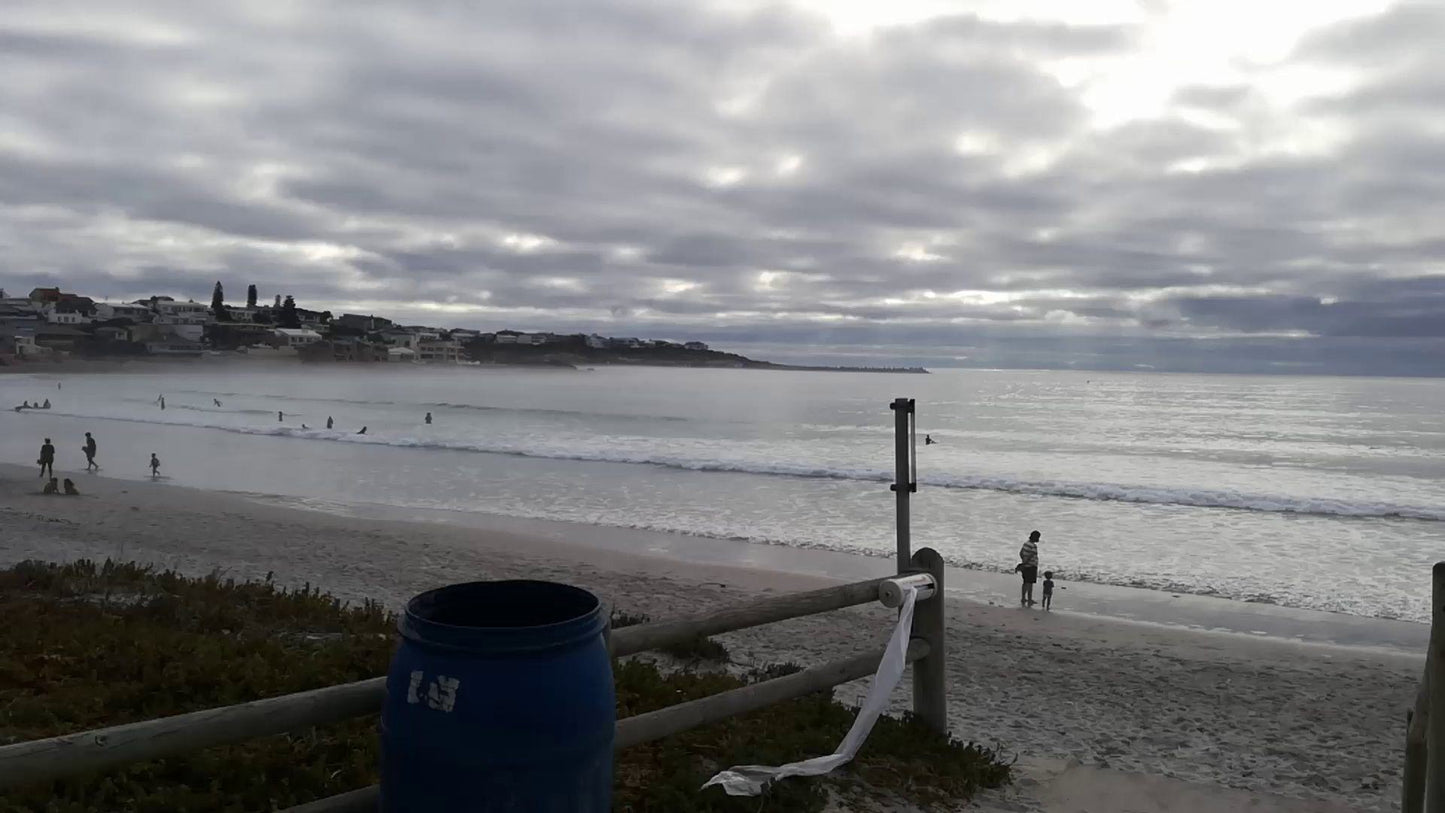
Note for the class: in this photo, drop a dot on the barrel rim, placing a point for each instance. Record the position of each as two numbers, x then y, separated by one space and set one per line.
426 632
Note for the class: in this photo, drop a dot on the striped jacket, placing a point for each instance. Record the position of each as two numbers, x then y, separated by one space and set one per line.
1029 553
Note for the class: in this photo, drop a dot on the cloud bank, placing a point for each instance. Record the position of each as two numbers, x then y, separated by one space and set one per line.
966 188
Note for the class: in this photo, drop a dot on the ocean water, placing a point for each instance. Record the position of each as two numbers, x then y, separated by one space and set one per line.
1320 493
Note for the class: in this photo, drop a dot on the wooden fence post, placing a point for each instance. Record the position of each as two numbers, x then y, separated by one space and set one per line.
930 694
1435 711
1412 786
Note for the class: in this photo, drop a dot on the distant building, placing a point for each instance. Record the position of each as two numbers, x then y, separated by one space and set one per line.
596 342
289 337
400 354
366 324
169 311
105 311
695 346
438 351
58 317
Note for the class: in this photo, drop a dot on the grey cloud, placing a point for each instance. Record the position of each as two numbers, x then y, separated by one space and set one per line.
377 153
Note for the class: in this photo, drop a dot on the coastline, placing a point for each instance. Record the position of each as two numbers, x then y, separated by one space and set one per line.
1082 698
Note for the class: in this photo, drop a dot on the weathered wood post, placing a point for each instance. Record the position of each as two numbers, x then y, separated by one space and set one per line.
1412 788
930 694
1435 692
903 484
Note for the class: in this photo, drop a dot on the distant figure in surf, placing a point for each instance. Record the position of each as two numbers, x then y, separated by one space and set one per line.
163 402
928 440
1028 567
304 426
428 418
155 465
328 422
216 401
280 416
47 458
90 453
362 432
70 487
51 487
47 404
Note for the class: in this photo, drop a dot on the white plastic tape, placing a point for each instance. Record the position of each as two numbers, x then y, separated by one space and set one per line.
751 780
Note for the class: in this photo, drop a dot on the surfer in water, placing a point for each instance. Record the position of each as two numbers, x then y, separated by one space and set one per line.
216 401
362 432
928 440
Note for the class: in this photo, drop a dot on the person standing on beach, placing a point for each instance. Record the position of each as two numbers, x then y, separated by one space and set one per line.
155 465
329 422
90 453
1029 569
47 458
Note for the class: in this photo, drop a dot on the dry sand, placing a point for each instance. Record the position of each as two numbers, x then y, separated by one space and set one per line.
1104 715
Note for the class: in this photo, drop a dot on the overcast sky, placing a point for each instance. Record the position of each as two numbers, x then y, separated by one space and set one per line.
1222 184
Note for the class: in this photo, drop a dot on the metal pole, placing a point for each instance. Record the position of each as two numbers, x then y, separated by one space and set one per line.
902 486
1435 712
930 683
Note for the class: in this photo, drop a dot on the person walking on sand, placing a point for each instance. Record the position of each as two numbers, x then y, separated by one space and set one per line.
90 453
47 458
1029 568
1048 589
155 465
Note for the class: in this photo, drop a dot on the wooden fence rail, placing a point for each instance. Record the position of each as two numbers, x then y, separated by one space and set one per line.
100 749
1423 782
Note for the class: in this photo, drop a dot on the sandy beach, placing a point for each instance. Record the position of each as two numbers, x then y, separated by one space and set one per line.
1103 714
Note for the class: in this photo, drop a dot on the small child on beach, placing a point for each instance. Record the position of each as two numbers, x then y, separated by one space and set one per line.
155 465
1048 589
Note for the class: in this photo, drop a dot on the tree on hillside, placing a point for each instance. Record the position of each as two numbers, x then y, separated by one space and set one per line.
250 296
218 304
278 302
288 317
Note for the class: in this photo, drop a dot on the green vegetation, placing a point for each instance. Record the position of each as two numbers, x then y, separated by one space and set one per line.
90 645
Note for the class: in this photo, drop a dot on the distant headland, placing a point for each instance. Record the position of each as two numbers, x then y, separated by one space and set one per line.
53 326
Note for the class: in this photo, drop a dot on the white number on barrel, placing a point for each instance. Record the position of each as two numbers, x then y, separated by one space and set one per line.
441 694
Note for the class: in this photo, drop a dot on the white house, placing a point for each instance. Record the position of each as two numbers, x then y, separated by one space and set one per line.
438 350
400 354
182 313
56 317
290 337
105 311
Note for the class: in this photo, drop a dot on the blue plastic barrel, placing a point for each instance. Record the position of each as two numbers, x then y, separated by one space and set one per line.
499 698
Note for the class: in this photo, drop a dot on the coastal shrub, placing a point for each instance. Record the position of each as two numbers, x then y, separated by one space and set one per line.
92 644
